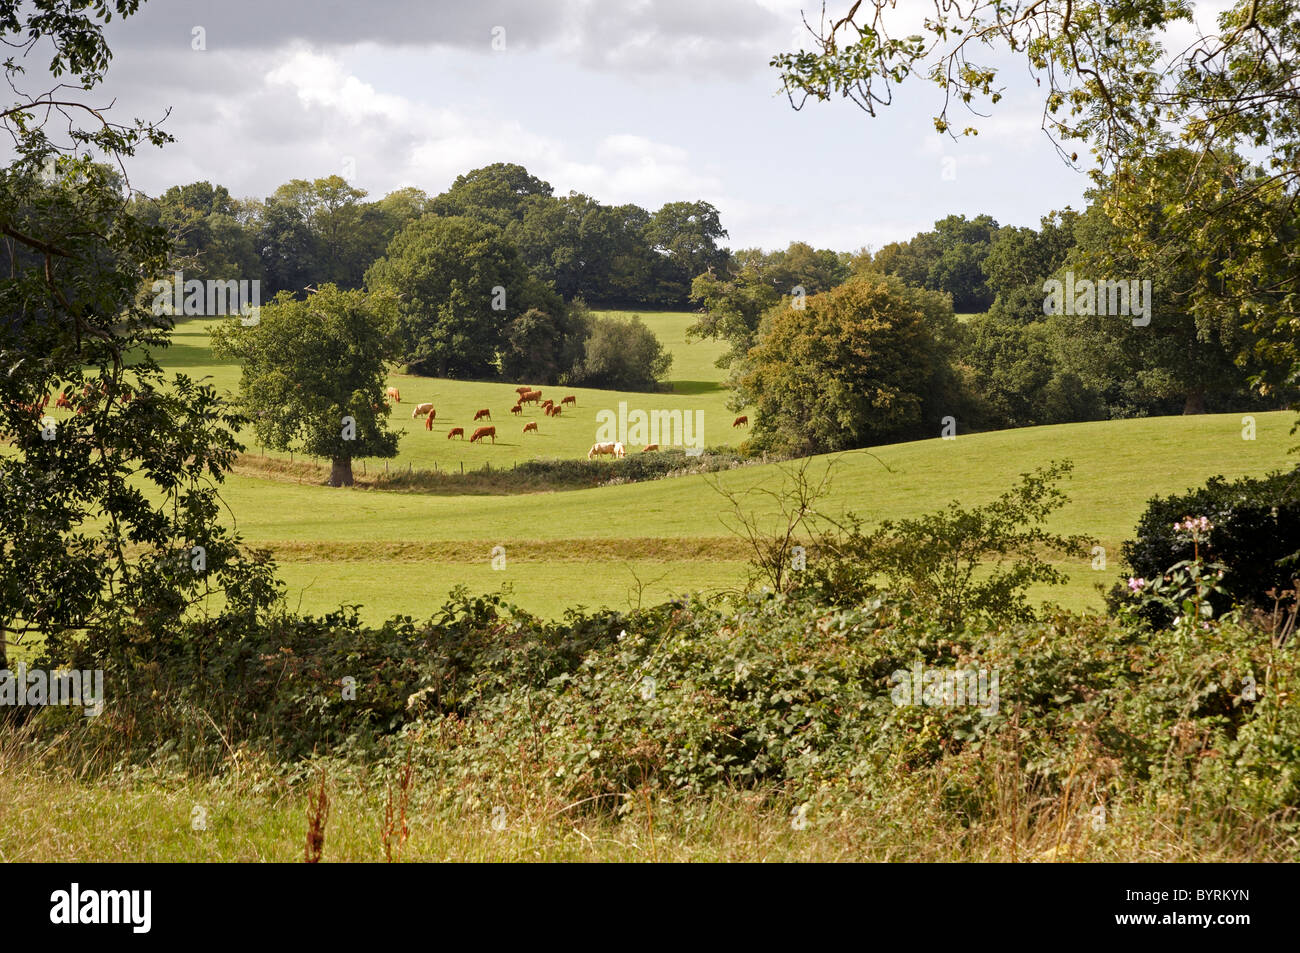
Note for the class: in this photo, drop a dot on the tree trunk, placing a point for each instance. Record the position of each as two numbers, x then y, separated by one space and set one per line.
1195 403
341 471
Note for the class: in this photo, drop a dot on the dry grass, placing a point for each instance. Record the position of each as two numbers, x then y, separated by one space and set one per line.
250 816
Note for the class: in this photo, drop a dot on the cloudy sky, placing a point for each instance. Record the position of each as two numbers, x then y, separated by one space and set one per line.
643 101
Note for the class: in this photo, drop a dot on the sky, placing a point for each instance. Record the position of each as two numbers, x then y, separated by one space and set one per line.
644 101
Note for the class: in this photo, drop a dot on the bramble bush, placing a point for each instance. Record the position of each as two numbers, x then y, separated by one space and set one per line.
1255 540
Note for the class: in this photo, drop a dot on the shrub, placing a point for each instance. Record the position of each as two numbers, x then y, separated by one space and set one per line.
942 559
1255 538
622 355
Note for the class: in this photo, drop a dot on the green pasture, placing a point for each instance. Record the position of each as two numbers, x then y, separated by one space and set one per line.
572 540
401 552
696 386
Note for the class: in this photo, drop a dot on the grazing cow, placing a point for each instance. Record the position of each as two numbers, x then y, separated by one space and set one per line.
63 402
522 390
620 451
601 449
569 400
421 410
741 421
456 432
530 397
428 421
394 393
484 432
552 411
650 446
531 426
483 413
516 409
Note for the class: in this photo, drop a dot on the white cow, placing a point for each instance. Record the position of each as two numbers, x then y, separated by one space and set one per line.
421 410
602 449
620 451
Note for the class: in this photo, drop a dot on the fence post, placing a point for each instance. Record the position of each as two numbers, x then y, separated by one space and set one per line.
462 468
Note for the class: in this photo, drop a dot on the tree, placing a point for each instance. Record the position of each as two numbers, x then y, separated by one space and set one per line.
685 235
458 282
1022 258
497 194
622 355
313 375
1109 84
564 242
208 231
736 299
949 258
1176 352
545 343
287 247
861 364
1015 377
108 515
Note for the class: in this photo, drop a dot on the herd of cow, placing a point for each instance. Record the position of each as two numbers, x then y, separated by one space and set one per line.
525 395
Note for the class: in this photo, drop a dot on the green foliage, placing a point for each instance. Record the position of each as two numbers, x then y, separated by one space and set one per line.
1255 541
735 302
497 194
687 698
1013 373
950 259
313 374
862 364
622 355
445 273
957 565
110 511
1108 82
1021 259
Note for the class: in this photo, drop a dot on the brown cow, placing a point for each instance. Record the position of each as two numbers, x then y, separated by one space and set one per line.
428 421
522 390
484 432
530 397
516 409
456 432
531 426
394 393
569 400
650 446
483 413
741 421
63 402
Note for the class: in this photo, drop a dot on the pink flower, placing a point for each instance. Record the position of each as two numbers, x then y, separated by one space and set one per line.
1135 584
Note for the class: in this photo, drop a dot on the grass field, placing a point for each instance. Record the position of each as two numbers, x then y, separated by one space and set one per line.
401 552
695 381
